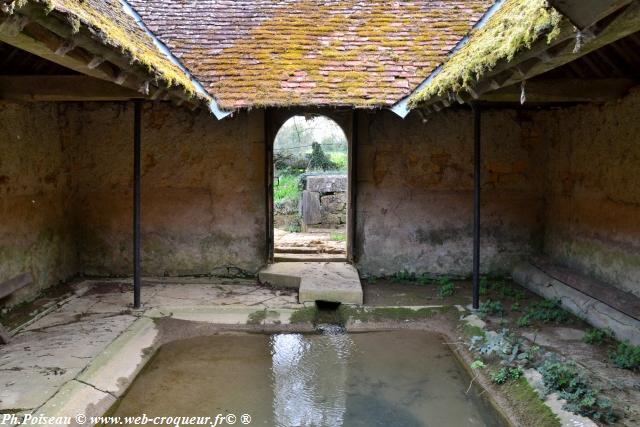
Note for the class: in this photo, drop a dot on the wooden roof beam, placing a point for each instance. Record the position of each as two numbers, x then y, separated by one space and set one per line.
563 90
52 40
62 88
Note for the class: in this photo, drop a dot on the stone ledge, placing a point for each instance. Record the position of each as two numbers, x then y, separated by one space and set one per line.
597 313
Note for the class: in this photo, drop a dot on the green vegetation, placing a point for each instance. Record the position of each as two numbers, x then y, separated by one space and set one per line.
506 374
546 311
594 336
529 405
336 236
339 159
446 288
477 364
572 386
499 287
303 315
257 317
287 187
490 308
318 160
403 276
626 356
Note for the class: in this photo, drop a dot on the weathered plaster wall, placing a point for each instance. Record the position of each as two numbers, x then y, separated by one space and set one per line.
203 199
593 187
36 186
415 200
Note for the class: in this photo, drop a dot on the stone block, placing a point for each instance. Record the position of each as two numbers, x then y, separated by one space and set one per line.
334 202
310 206
327 183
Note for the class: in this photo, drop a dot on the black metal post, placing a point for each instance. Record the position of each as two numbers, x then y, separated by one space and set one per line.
136 201
477 168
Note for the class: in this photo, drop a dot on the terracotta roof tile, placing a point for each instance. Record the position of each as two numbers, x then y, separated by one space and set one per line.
309 52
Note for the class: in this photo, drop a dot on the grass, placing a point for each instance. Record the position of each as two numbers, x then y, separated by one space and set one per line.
286 188
529 405
335 236
339 159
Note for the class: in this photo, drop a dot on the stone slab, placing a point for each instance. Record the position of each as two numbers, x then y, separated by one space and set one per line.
317 281
595 312
327 183
37 363
623 301
311 209
207 314
116 367
76 399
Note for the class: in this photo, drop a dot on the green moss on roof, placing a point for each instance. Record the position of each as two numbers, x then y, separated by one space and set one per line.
359 53
512 29
116 28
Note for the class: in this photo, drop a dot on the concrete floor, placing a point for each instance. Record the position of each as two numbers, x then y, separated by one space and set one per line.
55 349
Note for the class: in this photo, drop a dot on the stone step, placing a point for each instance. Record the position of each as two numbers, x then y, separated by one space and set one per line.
295 250
316 281
297 257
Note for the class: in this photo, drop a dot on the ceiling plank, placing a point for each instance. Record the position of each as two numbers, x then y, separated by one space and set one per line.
550 91
62 88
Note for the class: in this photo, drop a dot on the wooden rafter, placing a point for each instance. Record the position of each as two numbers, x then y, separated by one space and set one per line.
62 88
53 40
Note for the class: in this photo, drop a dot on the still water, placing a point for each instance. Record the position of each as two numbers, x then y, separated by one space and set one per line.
397 378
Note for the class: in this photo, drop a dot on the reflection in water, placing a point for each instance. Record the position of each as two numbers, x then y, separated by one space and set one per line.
309 379
387 379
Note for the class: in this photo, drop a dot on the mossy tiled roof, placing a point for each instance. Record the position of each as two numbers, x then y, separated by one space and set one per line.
308 52
116 28
511 29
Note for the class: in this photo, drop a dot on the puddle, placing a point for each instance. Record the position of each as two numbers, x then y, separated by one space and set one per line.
396 378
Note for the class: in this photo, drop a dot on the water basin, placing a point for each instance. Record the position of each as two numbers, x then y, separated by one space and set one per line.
390 378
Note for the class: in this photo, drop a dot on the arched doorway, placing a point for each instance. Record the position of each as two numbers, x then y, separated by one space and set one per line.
310 190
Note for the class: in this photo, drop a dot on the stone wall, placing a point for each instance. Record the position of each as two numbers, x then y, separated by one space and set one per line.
323 202
415 199
563 182
203 197
593 191
36 196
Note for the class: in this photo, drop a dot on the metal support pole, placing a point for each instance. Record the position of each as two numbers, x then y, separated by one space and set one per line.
477 168
136 202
